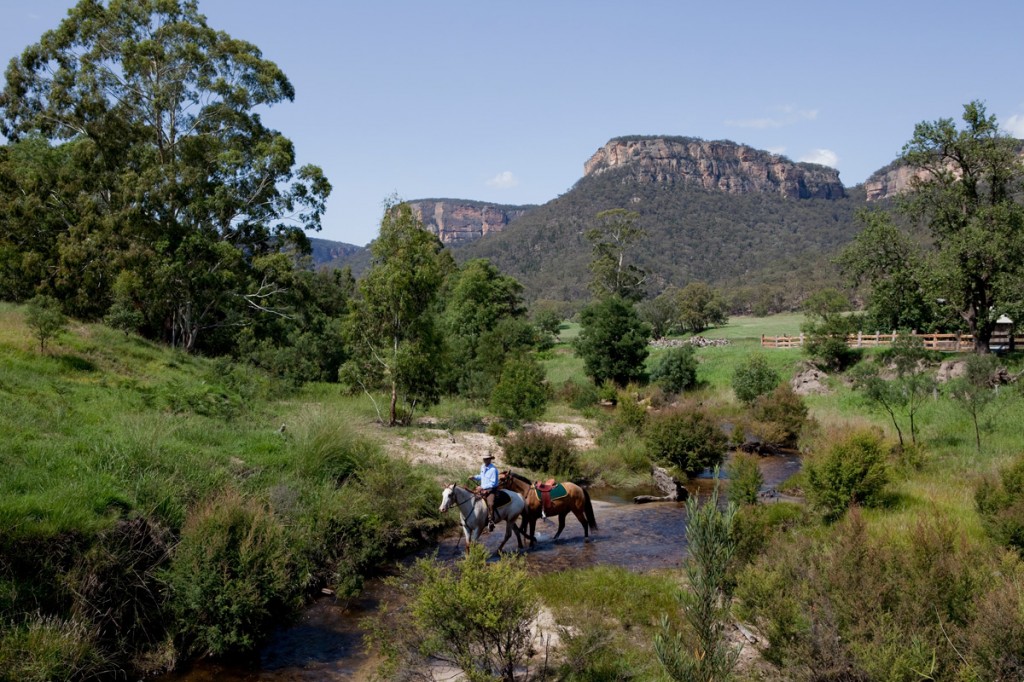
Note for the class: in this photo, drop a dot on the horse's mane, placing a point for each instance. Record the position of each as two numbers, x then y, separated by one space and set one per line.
520 477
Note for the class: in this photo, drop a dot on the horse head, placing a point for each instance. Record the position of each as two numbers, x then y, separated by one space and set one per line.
446 498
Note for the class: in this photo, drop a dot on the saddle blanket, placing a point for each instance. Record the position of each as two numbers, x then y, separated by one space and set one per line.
549 492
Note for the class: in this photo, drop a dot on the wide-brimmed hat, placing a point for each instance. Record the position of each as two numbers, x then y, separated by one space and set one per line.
488 456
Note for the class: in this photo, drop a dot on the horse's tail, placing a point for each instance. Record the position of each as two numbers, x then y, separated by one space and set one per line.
588 509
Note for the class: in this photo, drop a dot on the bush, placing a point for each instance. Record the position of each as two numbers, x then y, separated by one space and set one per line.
745 478
550 453
1000 504
521 393
475 614
45 318
852 470
754 378
676 369
781 416
630 415
578 395
687 438
231 578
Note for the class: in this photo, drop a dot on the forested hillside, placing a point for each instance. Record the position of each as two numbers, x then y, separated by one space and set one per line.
739 242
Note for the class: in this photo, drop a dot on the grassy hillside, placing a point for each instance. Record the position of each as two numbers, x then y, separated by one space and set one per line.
158 505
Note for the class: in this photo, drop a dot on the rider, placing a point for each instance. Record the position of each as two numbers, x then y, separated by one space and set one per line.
488 479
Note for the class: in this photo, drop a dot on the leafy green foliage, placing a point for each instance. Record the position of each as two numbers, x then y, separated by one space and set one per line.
484 325
231 580
907 391
521 393
852 470
194 186
540 451
967 192
615 232
612 341
475 615
779 416
1000 504
973 392
826 330
708 655
687 438
698 307
676 369
392 330
45 318
745 478
754 378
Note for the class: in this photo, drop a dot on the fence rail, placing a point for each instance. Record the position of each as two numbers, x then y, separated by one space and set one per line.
950 343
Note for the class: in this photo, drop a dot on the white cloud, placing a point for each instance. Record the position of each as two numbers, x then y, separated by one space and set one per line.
826 157
783 116
1015 125
503 180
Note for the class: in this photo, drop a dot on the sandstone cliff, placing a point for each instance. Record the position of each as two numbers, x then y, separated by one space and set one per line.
720 165
890 181
457 221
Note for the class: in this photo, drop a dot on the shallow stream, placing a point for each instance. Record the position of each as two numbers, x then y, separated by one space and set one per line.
326 642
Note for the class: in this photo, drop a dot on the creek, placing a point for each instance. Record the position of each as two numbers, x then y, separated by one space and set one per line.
326 642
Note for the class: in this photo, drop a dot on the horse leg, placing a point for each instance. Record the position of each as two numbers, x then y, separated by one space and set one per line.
509 525
561 525
519 537
578 513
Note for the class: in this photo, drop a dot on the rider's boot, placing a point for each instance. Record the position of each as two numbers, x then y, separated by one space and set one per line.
490 519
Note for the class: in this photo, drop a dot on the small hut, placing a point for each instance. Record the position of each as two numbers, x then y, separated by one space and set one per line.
1002 335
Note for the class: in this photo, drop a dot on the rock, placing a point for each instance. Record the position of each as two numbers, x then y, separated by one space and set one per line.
457 221
715 165
811 381
950 369
673 488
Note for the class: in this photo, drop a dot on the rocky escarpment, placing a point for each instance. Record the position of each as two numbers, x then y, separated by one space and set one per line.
720 165
891 181
457 221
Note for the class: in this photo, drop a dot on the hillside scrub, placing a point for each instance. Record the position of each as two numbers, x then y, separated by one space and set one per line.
153 496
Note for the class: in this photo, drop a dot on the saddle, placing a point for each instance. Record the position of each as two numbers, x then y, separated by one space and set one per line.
550 491
501 498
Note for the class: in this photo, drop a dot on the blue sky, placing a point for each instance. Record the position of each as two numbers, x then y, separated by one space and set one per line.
504 101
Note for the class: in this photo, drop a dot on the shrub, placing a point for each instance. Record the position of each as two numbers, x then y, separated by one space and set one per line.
754 378
781 415
745 478
521 393
497 430
676 369
630 415
550 453
475 614
687 438
45 318
1000 504
231 577
578 395
853 470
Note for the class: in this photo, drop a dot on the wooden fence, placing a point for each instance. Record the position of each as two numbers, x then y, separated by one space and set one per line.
950 343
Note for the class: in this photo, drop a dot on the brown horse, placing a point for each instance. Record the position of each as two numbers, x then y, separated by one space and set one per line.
577 501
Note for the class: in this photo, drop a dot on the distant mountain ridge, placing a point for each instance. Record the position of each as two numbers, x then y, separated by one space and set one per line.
717 211
720 165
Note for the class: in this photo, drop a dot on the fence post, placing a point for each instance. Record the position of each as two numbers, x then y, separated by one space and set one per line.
801 339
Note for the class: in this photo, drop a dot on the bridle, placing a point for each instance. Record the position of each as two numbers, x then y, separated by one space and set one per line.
457 503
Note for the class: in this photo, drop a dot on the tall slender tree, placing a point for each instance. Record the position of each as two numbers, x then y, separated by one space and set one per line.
393 335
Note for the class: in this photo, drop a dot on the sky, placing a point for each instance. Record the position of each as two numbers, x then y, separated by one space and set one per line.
502 101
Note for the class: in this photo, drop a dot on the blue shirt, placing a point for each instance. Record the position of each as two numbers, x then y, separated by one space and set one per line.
488 476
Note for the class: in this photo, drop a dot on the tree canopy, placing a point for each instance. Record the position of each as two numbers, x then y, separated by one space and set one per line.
165 167
968 192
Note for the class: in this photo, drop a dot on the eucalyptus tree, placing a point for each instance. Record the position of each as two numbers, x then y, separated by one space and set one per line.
615 231
968 191
186 184
393 335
